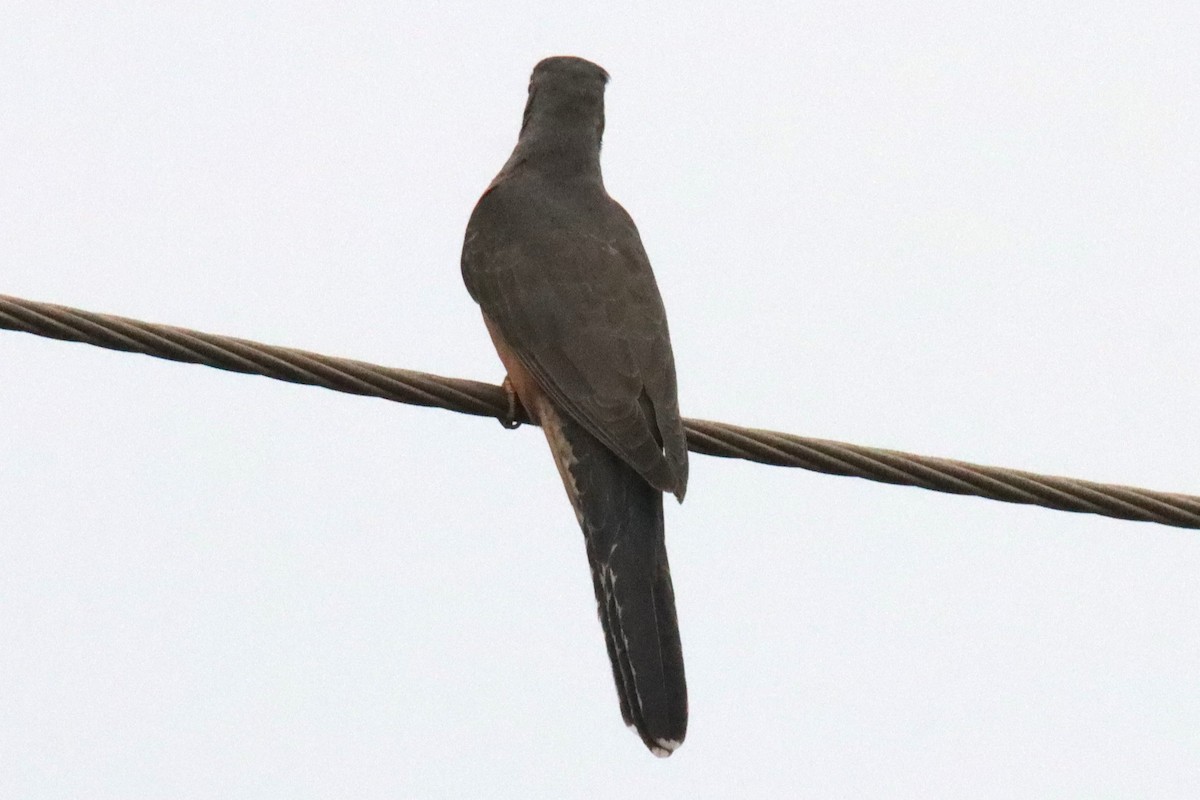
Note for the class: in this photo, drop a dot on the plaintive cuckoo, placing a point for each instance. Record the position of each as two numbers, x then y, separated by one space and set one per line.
572 307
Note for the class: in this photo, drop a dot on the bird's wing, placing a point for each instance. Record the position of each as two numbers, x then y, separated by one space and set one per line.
578 305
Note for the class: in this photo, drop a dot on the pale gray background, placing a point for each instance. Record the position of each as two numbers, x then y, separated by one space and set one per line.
947 229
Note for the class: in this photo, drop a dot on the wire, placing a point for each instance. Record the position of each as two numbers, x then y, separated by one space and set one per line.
708 438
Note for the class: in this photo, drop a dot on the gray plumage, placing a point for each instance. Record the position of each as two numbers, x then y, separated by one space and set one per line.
559 271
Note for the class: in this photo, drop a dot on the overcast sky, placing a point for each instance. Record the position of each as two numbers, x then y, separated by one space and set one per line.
935 228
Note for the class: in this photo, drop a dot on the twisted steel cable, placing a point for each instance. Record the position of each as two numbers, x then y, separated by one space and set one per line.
708 438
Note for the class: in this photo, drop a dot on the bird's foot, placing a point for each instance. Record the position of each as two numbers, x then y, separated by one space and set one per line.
510 419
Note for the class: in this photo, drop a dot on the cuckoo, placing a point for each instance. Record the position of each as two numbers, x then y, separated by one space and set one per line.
560 274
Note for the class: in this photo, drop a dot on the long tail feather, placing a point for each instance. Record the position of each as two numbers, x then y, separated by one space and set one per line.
622 520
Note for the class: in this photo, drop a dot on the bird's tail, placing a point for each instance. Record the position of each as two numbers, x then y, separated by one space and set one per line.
622 520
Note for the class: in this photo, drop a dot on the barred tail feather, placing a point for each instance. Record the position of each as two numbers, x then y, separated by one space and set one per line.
622 520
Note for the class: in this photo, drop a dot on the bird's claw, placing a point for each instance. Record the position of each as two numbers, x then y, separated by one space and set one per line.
509 420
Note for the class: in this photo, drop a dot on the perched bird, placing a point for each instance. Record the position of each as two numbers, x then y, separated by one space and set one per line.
571 304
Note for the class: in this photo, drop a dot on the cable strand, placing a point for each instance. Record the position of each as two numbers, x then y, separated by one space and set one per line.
704 437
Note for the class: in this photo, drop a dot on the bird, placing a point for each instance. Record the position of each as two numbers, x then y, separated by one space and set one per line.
571 304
